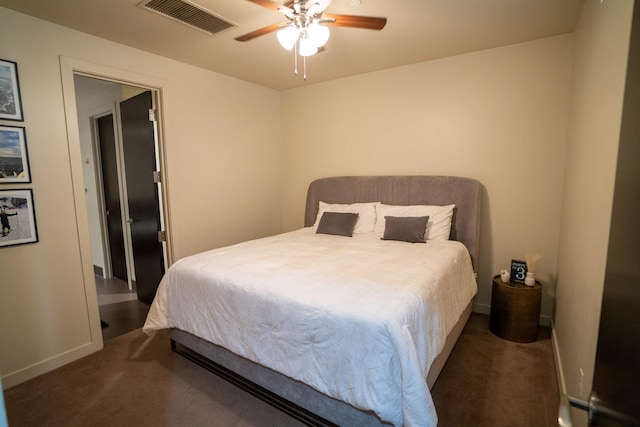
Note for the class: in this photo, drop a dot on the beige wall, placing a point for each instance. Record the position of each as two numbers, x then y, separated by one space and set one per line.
223 183
499 116
602 42
234 149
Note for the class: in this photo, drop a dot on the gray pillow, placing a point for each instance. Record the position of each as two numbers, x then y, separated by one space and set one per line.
406 229
337 223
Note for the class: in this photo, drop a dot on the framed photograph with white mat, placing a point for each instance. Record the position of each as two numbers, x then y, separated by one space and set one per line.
17 218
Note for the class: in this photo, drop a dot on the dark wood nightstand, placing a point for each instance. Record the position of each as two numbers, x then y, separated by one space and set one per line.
515 310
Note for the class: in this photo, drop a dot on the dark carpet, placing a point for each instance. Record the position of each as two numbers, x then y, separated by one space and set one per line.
122 317
488 381
138 381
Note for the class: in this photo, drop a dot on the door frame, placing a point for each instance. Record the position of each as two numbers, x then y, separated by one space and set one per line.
68 68
98 172
112 109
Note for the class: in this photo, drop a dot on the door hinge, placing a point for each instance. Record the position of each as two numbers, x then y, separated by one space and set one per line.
152 115
157 177
162 236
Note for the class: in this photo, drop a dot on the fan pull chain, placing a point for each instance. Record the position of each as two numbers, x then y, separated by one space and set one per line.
295 62
295 58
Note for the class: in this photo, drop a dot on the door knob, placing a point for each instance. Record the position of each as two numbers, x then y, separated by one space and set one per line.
595 408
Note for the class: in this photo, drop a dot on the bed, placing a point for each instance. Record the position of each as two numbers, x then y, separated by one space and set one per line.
348 330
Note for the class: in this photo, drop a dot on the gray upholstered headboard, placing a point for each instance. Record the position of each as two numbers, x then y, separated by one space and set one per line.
407 190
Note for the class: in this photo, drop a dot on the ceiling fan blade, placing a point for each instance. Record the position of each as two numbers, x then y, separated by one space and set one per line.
353 21
260 32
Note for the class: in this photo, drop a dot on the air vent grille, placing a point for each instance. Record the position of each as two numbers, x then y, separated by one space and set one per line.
189 14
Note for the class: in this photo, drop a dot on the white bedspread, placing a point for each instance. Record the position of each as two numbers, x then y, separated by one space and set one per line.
359 319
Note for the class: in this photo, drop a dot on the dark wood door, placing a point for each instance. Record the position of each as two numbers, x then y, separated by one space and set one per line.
108 160
616 382
142 194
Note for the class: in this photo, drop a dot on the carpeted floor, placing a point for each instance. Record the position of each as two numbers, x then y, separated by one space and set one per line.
491 382
122 317
120 310
138 381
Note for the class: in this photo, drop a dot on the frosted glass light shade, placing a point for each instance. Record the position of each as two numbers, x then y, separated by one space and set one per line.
319 34
307 47
288 36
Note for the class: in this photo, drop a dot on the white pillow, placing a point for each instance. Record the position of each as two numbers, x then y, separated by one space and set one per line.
438 226
366 214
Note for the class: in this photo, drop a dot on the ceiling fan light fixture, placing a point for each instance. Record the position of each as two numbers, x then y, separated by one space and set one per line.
307 28
288 36
318 33
307 46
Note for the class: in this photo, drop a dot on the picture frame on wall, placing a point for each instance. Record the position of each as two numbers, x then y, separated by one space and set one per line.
14 160
17 218
10 100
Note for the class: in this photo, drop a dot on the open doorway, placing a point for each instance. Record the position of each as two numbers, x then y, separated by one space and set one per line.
118 144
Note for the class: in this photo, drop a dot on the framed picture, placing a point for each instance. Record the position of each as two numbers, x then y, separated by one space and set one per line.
10 103
17 218
14 162
518 270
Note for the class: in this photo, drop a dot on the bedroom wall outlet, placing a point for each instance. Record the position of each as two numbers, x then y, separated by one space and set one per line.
580 382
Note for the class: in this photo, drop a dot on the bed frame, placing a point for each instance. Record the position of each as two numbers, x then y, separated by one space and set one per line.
295 398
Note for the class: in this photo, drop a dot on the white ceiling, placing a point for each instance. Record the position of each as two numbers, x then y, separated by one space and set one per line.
416 31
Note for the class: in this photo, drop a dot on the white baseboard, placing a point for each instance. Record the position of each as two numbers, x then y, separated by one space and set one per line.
481 308
37 369
545 320
556 356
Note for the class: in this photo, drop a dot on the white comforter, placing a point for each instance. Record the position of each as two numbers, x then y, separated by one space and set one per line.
359 319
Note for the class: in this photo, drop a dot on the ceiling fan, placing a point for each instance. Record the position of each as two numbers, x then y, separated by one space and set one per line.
306 30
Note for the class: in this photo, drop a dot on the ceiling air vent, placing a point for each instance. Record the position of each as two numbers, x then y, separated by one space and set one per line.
188 14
